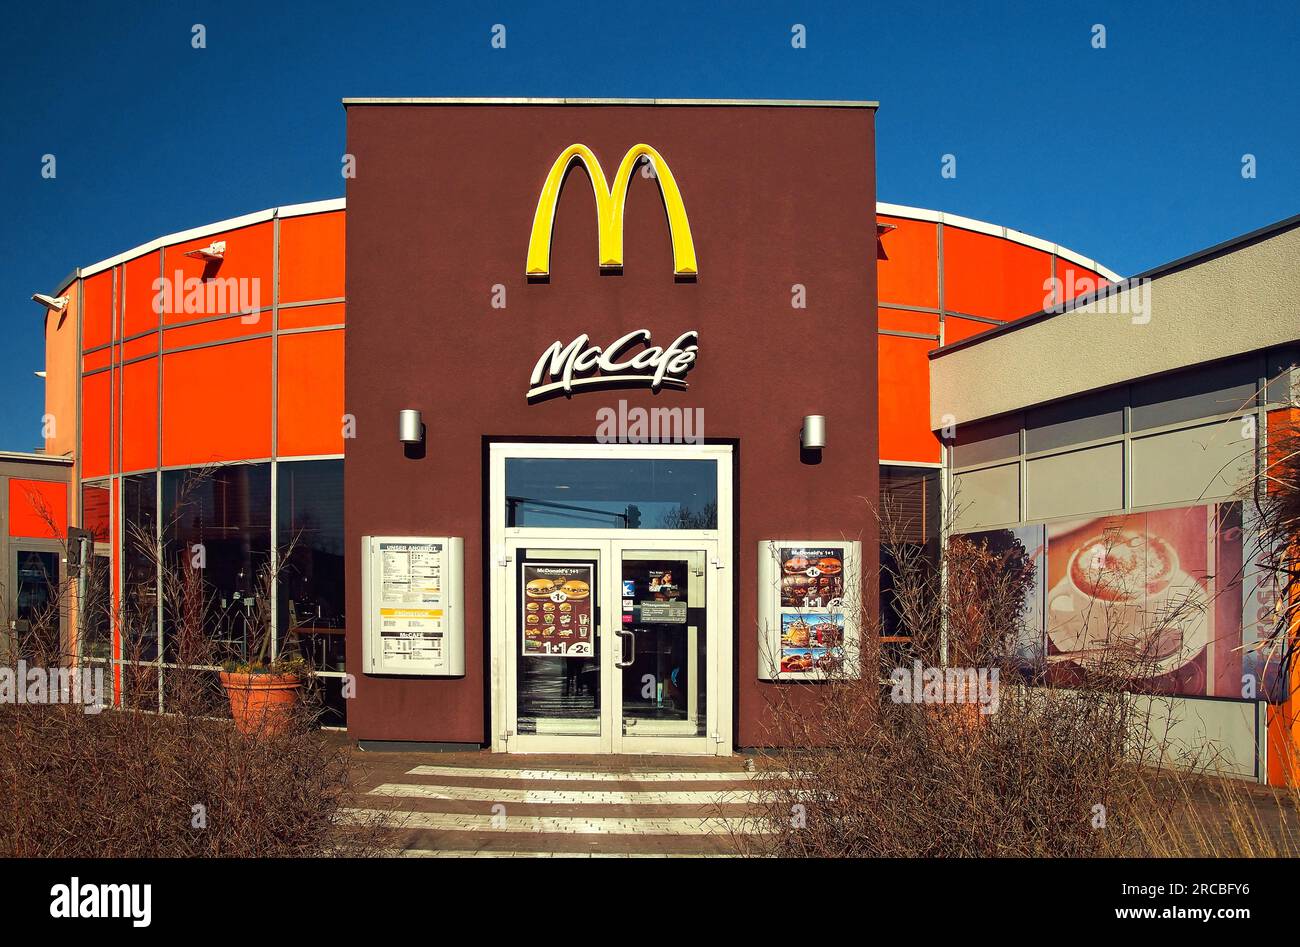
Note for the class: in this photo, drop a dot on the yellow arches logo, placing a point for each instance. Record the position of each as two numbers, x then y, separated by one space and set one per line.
610 203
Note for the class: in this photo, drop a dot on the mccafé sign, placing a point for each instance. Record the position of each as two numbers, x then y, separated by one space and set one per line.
583 365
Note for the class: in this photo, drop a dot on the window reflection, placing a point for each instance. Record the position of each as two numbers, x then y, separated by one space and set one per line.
310 537
139 560
611 493
220 519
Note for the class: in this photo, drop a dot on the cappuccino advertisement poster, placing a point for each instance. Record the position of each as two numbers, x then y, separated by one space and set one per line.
555 610
812 578
1160 593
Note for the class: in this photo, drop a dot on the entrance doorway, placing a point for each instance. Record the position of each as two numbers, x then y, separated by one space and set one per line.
611 599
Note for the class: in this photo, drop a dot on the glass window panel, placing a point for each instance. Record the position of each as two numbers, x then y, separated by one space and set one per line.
309 501
94 510
612 493
139 561
36 614
1200 392
96 640
220 520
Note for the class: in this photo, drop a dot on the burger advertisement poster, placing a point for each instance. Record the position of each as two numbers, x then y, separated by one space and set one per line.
812 578
556 613
811 642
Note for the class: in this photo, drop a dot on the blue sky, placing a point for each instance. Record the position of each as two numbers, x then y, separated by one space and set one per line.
1131 154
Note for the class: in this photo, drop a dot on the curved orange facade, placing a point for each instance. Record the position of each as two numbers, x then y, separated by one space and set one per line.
146 376
225 344
942 279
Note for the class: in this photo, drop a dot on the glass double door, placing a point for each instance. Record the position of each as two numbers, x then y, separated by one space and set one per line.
614 646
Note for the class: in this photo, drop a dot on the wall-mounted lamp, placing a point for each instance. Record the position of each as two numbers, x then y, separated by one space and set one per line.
216 250
812 436
52 303
410 427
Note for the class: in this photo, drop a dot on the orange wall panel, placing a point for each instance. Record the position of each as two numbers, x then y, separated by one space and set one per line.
311 394
95 360
989 276
137 292
97 315
955 329
145 345
905 401
249 261
908 272
904 320
38 509
96 424
218 330
302 317
216 403
311 257
140 415
1077 280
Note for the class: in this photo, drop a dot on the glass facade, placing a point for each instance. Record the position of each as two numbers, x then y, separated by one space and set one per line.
214 525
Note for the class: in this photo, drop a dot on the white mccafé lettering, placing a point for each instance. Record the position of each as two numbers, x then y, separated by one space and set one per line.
568 366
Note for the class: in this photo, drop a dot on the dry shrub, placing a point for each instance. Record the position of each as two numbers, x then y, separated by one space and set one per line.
134 783
861 770
183 782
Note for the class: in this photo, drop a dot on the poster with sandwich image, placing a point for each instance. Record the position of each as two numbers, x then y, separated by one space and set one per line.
811 642
555 610
812 578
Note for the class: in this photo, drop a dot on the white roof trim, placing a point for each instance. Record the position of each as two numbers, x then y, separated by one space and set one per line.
455 100
994 230
207 230
339 203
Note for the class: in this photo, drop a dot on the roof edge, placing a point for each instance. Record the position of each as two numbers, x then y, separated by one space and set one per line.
996 230
196 233
469 100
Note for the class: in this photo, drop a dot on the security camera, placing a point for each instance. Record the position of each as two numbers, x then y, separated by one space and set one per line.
39 374
52 303
216 250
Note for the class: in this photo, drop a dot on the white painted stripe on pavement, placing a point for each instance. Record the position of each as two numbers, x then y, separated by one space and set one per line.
590 797
567 825
591 775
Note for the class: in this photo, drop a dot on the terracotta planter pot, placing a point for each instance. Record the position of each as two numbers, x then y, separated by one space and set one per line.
261 703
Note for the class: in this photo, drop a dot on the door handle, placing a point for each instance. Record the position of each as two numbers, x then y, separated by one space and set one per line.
632 638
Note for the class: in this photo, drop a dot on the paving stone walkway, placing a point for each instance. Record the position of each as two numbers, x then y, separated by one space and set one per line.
492 806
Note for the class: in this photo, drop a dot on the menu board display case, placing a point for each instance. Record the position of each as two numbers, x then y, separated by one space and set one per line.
809 607
413 602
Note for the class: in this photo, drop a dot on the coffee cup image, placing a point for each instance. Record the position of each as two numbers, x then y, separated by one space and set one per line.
1125 597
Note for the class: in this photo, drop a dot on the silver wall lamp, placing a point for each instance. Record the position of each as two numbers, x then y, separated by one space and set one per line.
812 436
410 427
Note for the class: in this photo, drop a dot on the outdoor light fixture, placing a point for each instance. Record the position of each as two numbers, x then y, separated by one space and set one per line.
812 436
52 303
410 428
216 250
